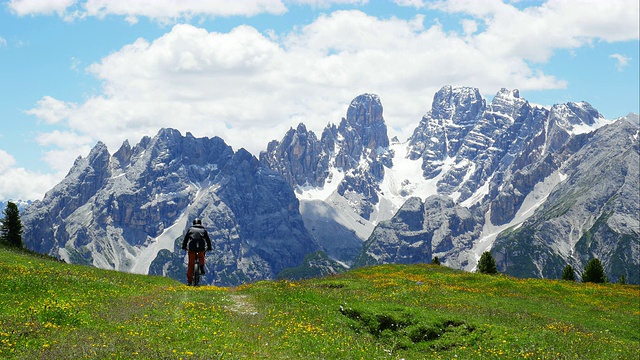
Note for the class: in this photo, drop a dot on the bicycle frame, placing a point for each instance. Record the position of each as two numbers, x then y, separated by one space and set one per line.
196 270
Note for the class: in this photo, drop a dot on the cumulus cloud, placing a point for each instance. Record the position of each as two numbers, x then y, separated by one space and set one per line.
66 145
414 3
20 184
159 10
51 110
536 32
165 11
327 3
39 7
6 161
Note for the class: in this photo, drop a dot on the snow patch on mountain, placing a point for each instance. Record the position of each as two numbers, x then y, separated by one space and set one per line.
405 178
330 186
532 201
479 194
345 216
583 128
164 241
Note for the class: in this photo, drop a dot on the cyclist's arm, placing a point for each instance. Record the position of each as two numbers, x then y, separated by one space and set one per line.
184 241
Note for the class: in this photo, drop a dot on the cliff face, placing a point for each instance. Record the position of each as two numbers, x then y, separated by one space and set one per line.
592 213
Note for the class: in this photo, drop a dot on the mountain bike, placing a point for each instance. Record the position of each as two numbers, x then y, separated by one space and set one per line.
196 270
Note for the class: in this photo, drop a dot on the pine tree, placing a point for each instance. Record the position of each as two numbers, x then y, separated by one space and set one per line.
11 226
623 280
487 264
594 272
435 261
568 273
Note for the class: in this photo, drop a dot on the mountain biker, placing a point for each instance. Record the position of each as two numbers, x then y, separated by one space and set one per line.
194 242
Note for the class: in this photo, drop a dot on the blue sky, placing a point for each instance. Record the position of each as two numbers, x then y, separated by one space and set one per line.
75 72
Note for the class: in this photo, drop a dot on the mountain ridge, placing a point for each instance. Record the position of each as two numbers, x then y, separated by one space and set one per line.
498 161
477 170
121 211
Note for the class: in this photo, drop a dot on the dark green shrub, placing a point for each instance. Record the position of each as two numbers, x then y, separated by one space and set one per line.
594 272
11 226
568 273
487 264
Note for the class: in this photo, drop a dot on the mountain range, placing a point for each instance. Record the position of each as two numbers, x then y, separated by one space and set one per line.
538 187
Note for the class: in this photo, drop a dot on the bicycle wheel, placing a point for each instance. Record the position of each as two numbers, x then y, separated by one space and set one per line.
196 273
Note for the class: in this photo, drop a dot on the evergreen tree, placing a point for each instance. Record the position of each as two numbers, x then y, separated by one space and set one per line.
11 226
594 272
487 264
435 261
568 273
623 280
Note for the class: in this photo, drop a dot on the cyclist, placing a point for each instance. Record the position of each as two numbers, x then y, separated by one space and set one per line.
194 242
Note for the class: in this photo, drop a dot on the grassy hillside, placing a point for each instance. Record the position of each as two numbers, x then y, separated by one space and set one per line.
51 310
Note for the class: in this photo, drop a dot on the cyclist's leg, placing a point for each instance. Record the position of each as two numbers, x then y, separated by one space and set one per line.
192 260
201 257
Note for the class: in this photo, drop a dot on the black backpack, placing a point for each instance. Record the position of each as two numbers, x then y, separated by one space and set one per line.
196 240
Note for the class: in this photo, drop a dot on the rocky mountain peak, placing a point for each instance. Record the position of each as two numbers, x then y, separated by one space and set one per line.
364 126
298 157
504 93
509 104
570 114
98 151
123 155
305 160
365 110
458 104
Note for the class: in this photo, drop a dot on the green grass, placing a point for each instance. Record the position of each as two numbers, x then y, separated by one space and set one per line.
51 310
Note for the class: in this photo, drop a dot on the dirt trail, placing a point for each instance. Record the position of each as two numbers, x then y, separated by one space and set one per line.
242 305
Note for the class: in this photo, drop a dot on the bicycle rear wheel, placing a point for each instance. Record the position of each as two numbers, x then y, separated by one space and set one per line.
196 273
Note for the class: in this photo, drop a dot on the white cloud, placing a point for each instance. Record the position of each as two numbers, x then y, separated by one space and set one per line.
6 161
60 160
621 61
66 145
166 11
414 3
327 3
51 110
536 32
40 7
3 41
20 184
63 139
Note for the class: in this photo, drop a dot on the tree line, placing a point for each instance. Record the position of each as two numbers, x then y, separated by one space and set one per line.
593 272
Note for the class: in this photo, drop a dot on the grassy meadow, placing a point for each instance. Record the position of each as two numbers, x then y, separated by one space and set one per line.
51 310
